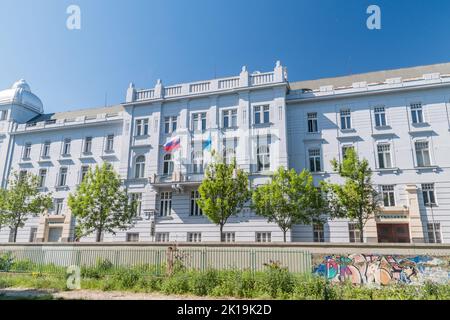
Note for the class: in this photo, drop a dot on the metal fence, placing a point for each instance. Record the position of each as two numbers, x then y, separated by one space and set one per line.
152 259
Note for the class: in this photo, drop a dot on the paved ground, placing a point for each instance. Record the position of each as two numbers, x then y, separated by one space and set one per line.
25 293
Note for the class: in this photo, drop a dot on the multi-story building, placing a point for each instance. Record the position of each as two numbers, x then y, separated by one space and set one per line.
398 120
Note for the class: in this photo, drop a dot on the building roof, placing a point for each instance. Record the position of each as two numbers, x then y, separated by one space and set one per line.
77 113
372 77
20 93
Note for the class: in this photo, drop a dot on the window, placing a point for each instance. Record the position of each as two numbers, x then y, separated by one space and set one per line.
228 237
11 237
162 237
263 153
168 164
345 149
312 122
346 122
42 176
229 150
416 113
3 114
66 147
434 232
384 155
132 237
137 198
314 160
318 233
429 198
142 127
197 161
388 195
353 232
22 174
62 181
422 154
84 170
263 236
170 124
380 117
139 167
165 203
59 205
46 149
194 237
109 142
195 209
230 118
27 151
33 234
87 145
261 114
199 121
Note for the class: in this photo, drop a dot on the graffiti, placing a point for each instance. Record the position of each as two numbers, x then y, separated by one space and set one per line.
383 269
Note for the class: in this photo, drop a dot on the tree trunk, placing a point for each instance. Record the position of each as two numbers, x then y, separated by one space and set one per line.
361 230
222 238
99 236
284 235
15 233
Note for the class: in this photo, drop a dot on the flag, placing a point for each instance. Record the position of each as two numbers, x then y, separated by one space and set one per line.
172 144
207 143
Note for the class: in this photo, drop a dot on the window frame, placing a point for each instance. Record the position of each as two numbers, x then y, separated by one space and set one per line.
380 116
142 127
165 203
388 195
381 152
317 157
318 232
345 116
312 122
139 166
423 163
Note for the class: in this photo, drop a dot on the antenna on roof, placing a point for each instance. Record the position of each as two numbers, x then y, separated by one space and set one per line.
106 98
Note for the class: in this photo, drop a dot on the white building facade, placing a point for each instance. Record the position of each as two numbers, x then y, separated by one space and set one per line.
398 120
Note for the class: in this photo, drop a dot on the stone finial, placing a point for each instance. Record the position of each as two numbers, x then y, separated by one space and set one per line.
158 82
244 69
278 64
131 86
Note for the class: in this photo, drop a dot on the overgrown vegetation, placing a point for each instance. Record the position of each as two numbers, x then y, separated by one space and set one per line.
275 282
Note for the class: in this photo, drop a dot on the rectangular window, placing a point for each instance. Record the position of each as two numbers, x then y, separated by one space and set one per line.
380 117
388 195
318 233
42 176
87 145
46 149
263 236
434 232
261 114
228 237
314 160
66 147
416 113
199 121
162 237
33 234
195 209
83 172
27 151
3 114
346 122
263 153
137 198
353 232
194 237
109 143
62 177
422 154
230 118
384 155
170 124
58 206
165 203
312 122
142 127
429 198
132 237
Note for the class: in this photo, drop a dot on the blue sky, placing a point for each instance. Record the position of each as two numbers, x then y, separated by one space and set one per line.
180 41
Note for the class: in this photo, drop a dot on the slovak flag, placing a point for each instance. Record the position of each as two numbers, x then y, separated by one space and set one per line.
172 144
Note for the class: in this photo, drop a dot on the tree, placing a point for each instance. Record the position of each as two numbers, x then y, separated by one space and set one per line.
223 192
100 203
289 198
20 200
355 199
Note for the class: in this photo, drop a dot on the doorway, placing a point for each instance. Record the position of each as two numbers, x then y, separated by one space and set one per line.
393 233
54 234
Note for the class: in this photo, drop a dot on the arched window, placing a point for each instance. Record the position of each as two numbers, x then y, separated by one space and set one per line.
139 167
229 155
168 164
263 157
197 161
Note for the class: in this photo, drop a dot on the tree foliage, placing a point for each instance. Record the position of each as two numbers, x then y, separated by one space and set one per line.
289 198
356 199
101 203
21 200
223 192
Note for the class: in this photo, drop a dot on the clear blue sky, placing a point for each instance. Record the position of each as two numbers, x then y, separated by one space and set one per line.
179 41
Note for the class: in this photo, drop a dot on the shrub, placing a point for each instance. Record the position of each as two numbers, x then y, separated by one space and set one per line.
6 261
102 268
277 281
178 283
203 283
23 266
127 278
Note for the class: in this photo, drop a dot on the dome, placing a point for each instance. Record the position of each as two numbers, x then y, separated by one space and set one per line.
20 93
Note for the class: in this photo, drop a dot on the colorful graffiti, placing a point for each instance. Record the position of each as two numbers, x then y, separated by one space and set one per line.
383 269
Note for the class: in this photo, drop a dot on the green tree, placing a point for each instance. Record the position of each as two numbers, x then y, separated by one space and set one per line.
223 192
356 199
21 200
101 204
289 198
